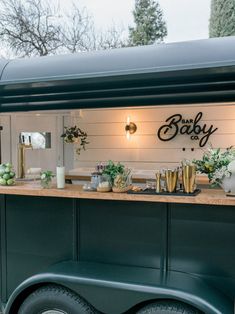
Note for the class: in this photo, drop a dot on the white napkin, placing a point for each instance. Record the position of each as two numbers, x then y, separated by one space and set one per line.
34 170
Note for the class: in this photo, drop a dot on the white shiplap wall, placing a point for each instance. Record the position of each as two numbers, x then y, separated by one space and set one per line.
106 131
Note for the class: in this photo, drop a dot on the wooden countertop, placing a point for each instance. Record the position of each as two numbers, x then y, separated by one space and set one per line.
200 178
207 196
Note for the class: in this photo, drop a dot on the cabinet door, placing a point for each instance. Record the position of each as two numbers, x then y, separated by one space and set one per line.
127 233
202 239
3 251
39 232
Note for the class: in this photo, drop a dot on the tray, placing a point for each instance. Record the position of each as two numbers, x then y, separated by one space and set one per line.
177 193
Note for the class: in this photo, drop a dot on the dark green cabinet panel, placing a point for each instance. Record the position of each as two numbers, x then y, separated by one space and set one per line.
202 239
129 233
39 233
2 249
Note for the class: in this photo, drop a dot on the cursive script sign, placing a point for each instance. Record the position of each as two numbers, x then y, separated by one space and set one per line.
177 125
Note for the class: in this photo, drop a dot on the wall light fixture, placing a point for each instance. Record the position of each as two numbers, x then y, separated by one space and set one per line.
130 128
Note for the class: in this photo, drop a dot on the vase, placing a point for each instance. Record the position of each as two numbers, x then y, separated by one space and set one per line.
46 184
228 184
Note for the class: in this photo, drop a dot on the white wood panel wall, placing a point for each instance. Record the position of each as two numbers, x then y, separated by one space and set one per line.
30 122
5 122
106 131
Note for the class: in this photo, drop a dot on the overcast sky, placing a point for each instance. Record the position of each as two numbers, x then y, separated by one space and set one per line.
186 19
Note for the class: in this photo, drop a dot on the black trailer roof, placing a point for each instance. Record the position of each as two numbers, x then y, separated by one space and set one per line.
186 72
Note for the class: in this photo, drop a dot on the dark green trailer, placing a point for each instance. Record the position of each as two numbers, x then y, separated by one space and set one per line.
63 255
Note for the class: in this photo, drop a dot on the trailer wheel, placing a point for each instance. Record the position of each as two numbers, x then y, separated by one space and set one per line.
53 299
168 307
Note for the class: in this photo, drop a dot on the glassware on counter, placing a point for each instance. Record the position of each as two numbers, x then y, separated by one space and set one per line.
88 187
158 182
46 179
150 184
122 182
189 178
95 179
104 184
171 178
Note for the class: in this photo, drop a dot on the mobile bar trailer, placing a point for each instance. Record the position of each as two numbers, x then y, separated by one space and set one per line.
73 252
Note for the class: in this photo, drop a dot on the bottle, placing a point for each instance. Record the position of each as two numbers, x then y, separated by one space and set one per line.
60 177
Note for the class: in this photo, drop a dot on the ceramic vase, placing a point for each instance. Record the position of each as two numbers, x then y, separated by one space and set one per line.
228 184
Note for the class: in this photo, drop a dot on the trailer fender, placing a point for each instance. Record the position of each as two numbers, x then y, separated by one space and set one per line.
115 289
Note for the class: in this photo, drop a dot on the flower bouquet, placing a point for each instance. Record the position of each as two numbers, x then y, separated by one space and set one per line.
215 163
46 178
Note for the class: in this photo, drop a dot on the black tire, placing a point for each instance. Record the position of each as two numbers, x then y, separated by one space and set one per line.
168 307
53 299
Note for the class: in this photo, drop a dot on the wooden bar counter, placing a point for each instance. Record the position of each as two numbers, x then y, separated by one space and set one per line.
207 196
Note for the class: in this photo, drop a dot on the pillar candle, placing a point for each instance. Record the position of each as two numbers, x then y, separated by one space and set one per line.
60 177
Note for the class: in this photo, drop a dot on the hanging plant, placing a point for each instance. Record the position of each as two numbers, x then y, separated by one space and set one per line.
75 135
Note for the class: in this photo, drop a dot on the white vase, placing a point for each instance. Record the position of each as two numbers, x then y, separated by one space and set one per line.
228 184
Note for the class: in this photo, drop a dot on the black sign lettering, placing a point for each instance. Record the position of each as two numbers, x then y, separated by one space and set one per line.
167 128
175 125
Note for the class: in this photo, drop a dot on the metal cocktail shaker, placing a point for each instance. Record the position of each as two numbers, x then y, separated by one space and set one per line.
189 178
171 177
158 182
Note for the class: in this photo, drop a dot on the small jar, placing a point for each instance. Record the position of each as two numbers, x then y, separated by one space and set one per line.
104 184
95 179
46 184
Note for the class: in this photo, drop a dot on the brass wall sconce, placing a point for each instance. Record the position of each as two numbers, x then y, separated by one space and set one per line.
130 128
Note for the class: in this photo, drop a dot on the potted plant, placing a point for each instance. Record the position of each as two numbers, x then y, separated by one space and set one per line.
74 135
120 176
216 164
46 178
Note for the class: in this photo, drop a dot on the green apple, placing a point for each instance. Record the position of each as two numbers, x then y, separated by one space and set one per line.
6 176
2 170
3 181
10 182
12 174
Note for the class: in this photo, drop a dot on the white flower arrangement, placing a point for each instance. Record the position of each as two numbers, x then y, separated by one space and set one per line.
217 164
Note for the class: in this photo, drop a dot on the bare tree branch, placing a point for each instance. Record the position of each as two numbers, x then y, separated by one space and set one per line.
26 27
35 27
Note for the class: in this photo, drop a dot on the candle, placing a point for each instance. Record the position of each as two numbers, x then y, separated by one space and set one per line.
60 177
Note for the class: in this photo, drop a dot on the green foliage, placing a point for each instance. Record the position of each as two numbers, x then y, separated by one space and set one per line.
150 26
215 163
46 178
112 170
222 19
47 175
74 134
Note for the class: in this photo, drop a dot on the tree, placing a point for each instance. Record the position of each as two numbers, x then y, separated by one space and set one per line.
28 28
35 27
150 26
222 19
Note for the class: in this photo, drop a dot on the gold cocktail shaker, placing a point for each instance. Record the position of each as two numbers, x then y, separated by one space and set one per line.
189 178
158 182
171 177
